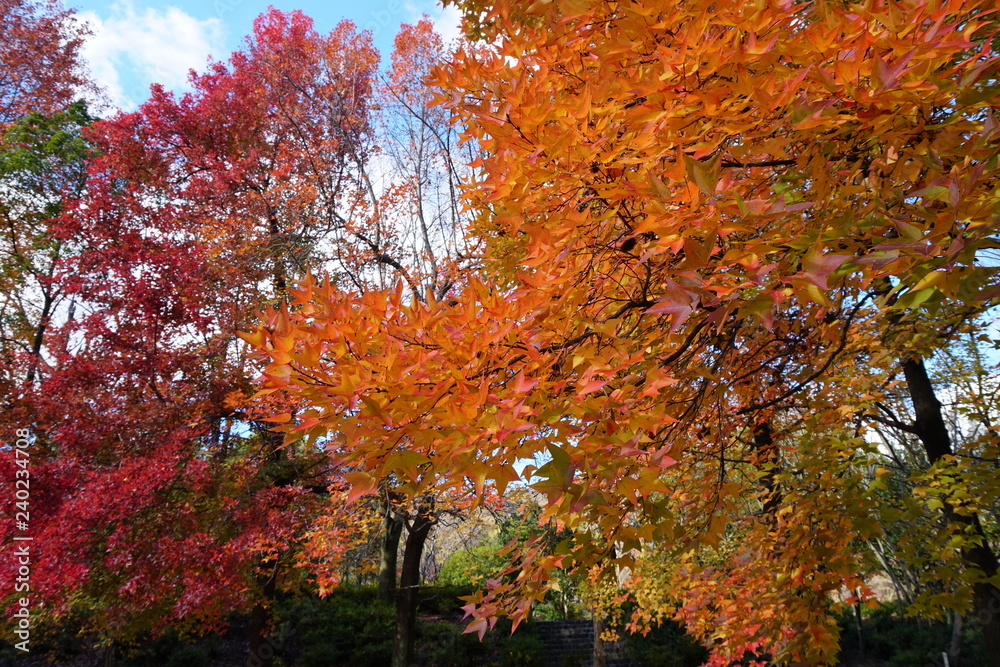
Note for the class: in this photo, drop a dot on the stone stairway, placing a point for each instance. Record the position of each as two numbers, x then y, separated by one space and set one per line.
571 644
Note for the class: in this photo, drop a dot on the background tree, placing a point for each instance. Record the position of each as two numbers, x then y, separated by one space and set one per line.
40 68
172 225
43 164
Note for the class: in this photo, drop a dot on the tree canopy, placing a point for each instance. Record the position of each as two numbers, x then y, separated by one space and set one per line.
716 234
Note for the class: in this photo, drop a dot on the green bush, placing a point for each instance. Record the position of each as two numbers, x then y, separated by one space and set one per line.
471 566
322 654
189 656
445 645
169 650
666 645
886 635
559 610
348 628
444 600
902 642
522 649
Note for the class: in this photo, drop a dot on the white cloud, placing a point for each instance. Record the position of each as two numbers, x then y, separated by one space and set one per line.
448 23
447 20
134 47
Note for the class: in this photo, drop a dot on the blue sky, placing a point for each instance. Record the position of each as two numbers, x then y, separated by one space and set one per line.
136 43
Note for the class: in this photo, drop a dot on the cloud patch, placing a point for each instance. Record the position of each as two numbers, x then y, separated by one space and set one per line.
447 20
133 47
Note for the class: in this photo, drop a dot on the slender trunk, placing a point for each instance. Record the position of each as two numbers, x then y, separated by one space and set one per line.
36 343
392 531
858 627
278 280
902 596
261 652
955 646
409 582
930 428
767 461
600 654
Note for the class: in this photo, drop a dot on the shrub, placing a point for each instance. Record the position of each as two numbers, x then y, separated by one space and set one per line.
444 600
902 642
347 628
666 645
522 649
189 656
445 645
471 566
169 650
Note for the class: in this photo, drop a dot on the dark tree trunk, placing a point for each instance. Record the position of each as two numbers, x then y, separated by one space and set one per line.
768 462
277 252
930 428
261 652
409 582
392 531
36 344
858 626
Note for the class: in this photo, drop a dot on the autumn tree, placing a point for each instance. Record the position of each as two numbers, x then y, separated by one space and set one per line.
40 67
714 233
421 142
166 502
838 159
43 157
42 164
917 537
410 178
191 213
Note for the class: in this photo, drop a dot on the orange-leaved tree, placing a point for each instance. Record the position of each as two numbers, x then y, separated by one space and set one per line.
715 232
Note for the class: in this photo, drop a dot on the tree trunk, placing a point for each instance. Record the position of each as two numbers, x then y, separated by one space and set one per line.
36 344
902 596
930 428
600 654
409 581
768 462
261 652
278 280
392 531
955 647
858 625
